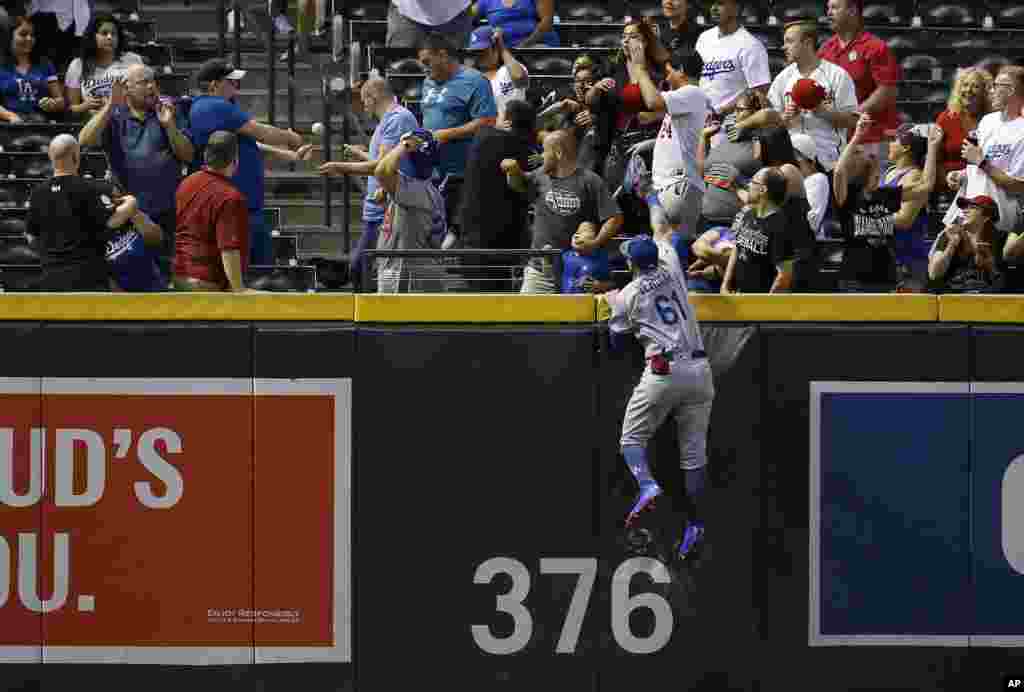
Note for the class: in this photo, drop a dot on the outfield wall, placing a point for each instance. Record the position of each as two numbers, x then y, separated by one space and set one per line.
214 488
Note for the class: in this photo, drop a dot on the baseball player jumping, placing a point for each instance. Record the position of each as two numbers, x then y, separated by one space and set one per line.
676 379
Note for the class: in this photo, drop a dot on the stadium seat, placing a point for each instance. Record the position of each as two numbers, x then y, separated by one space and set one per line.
550 64
12 227
605 40
589 11
796 10
904 43
1007 13
17 251
894 12
11 195
921 66
369 9
406 66
945 13
30 142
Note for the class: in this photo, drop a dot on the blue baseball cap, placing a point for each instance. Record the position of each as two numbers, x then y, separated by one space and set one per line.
426 157
482 38
641 251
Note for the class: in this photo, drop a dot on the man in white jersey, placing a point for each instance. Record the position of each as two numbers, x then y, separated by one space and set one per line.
676 380
677 184
996 165
508 77
831 117
734 60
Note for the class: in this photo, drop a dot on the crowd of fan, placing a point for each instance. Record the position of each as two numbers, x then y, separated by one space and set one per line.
683 133
777 166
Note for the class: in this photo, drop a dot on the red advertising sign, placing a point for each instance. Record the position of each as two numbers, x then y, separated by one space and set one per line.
174 521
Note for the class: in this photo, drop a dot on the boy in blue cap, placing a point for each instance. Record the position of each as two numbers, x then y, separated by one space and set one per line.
414 217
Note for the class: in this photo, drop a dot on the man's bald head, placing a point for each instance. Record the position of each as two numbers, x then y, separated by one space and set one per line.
376 94
559 151
564 141
62 147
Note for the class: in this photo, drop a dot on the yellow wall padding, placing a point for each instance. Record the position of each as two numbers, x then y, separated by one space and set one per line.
1007 309
172 307
816 308
474 308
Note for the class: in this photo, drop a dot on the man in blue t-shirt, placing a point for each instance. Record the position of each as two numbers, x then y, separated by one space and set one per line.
217 111
147 141
457 101
394 121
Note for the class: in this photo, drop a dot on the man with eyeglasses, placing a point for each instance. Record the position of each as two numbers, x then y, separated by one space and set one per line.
996 163
147 141
216 110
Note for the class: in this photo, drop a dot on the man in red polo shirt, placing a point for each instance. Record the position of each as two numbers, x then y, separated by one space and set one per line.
873 68
212 242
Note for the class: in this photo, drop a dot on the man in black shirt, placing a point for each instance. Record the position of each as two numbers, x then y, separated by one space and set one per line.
762 261
72 218
675 30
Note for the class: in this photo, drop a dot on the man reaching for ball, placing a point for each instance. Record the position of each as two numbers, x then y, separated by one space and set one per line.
394 122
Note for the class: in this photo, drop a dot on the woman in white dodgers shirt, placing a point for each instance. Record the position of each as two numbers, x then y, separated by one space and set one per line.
734 60
102 60
677 175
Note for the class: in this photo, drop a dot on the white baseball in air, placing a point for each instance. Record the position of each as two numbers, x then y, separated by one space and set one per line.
318 129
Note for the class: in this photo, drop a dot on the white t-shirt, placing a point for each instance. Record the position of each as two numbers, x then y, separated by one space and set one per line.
1002 143
675 151
97 84
732 64
816 188
505 89
431 12
839 89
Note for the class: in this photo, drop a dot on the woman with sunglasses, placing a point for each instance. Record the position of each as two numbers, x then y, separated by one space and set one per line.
103 60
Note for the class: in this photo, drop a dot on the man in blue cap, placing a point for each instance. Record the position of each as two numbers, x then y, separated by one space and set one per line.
676 380
508 77
414 218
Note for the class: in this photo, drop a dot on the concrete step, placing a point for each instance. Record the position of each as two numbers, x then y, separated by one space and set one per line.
311 212
307 73
308 103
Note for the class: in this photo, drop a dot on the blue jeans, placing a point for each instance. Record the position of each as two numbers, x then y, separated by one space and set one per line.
261 250
359 266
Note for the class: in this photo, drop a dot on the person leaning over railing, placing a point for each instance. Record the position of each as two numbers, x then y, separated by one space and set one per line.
766 245
217 110
565 197
868 211
28 82
393 121
967 257
415 216
525 23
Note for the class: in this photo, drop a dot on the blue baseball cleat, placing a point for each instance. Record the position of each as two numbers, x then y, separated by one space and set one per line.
693 536
644 502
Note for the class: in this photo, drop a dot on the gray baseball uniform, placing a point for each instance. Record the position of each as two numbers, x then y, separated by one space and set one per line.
656 307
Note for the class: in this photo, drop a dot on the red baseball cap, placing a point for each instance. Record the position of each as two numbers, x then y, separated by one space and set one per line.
807 94
983 201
